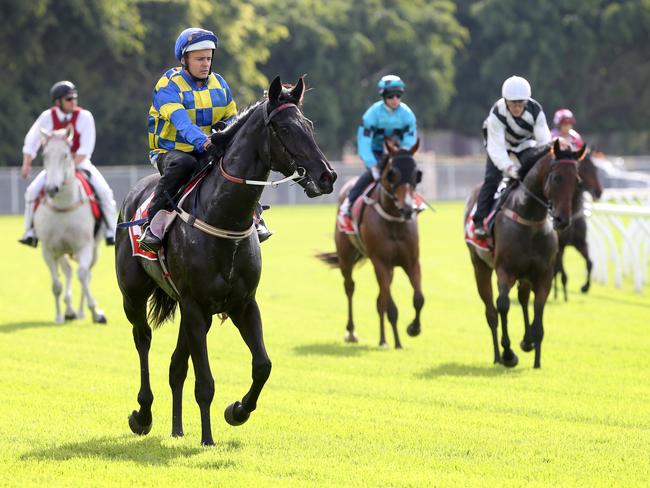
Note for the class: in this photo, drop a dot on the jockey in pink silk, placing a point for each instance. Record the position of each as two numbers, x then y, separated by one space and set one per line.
563 120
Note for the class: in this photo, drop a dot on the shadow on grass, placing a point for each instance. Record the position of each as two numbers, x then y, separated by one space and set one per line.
18 326
457 369
142 450
333 349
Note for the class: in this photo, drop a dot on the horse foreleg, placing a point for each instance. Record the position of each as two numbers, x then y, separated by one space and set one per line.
505 282
583 249
249 322
563 276
85 258
64 263
140 421
415 278
177 374
483 277
57 287
196 323
541 289
523 293
385 303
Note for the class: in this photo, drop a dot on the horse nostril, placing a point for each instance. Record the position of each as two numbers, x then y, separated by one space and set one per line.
326 178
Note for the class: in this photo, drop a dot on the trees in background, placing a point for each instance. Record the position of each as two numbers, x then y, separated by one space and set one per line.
590 55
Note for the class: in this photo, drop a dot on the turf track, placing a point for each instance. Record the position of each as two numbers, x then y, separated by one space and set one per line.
437 413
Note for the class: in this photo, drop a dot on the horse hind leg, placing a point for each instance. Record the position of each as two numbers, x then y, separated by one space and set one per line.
523 294
135 308
349 286
483 277
583 249
249 323
64 263
85 258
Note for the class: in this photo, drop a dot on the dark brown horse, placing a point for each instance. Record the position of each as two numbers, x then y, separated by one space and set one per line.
576 233
217 273
525 247
388 235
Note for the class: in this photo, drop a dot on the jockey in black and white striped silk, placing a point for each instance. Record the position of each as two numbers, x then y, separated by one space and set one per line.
515 126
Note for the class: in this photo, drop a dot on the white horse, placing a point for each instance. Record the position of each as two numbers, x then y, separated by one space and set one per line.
65 225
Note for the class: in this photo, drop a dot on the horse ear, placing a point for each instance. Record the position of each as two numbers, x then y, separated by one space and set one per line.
69 134
415 147
298 90
556 147
390 146
275 89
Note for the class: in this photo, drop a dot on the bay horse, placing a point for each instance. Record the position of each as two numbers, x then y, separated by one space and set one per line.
388 235
576 233
65 224
217 275
525 246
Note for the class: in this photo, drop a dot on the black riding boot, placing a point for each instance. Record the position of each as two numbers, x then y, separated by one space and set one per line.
176 168
485 198
361 184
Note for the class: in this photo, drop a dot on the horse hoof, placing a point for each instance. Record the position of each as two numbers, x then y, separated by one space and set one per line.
58 320
135 426
585 288
70 316
413 330
511 362
229 414
383 345
100 319
352 338
527 346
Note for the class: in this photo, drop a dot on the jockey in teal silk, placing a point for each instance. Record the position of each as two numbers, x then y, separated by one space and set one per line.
388 117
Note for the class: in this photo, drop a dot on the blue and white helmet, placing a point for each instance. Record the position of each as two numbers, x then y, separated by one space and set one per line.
390 84
194 39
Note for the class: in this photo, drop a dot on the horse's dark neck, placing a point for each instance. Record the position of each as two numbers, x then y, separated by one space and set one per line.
230 205
522 202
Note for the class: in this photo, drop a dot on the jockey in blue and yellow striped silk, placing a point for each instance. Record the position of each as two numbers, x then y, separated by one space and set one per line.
189 101
182 114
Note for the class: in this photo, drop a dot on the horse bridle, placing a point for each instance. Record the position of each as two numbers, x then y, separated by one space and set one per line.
547 205
298 172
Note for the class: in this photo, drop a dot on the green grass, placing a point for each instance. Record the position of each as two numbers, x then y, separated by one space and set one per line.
437 413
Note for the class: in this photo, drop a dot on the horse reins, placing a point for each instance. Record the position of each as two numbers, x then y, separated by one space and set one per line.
511 214
298 173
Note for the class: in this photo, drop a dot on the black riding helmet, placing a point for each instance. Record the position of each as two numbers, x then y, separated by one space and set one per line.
62 89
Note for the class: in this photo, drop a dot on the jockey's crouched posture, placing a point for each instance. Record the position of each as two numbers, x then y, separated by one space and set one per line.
188 102
515 125
388 117
63 113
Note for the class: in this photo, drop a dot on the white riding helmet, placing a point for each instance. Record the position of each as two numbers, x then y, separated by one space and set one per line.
516 88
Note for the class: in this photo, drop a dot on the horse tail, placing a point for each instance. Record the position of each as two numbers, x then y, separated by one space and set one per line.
330 258
161 308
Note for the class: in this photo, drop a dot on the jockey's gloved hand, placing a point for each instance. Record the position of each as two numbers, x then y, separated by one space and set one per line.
376 174
512 171
221 125
218 138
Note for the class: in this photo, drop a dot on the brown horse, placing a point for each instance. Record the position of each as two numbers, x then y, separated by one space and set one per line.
576 234
525 246
388 235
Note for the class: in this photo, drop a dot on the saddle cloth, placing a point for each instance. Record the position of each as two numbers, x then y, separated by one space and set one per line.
419 205
88 190
470 238
161 222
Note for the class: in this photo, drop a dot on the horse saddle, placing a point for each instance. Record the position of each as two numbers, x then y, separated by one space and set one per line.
160 223
83 178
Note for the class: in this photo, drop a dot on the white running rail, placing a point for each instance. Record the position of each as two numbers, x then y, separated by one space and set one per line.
619 232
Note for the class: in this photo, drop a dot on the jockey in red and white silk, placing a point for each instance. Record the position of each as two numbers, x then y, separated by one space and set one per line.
564 122
63 113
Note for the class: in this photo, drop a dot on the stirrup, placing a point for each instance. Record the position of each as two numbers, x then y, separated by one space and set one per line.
148 241
110 240
31 241
480 233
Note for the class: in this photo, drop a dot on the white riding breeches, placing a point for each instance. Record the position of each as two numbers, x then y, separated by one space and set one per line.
104 194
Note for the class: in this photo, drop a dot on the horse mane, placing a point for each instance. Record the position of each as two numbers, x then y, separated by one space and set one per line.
242 117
